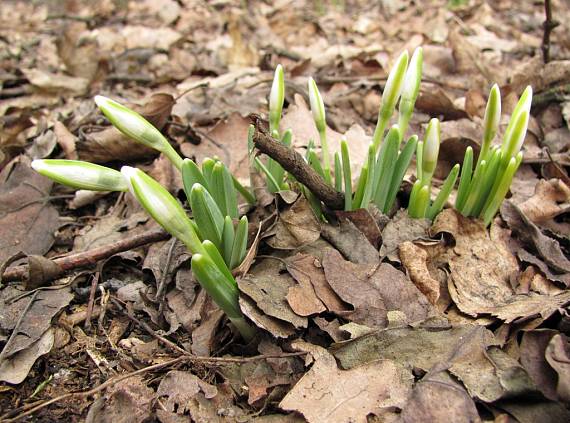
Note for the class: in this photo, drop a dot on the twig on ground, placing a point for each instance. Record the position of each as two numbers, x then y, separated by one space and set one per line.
92 291
87 258
548 25
146 327
294 163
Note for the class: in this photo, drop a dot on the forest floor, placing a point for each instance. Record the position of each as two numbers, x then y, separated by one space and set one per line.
361 318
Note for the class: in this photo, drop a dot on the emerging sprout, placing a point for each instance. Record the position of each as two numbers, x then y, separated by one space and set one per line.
481 191
81 175
134 126
410 90
208 265
427 154
276 99
430 150
390 96
318 111
490 121
162 207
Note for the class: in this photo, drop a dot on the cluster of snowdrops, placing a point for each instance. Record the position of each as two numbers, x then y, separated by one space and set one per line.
217 236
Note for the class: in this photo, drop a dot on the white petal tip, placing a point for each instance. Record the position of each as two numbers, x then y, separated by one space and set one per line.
38 165
128 172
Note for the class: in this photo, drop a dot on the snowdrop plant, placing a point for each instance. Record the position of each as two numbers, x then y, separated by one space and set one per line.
318 112
482 190
134 126
384 169
216 242
274 173
420 205
391 95
213 200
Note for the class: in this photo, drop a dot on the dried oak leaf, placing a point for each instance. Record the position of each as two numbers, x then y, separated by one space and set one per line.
550 199
296 226
414 259
401 228
527 257
475 285
365 223
351 283
532 355
204 336
227 140
129 400
276 327
548 248
307 267
328 394
179 387
558 356
268 287
27 220
439 398
37 319
525 411
15 368
302 297
375 290
466 351
352 243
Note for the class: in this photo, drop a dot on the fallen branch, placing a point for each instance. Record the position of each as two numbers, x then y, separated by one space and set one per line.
548 25
296 165
87 258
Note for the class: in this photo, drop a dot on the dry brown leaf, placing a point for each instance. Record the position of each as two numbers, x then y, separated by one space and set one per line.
56 83
350 241
310 267
275 327
532 350
527 257
227 140
548 248
558 356
436 102
539 75
476 287
535 411
326 393
268 288
299 119
27 220
439 398
550 199
401 228
66 140
365 223
128 400
204 336
302 297
467 351
179 387
332 328
470 61
15 368
351 282
414 259
43 145
297 226
374 290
